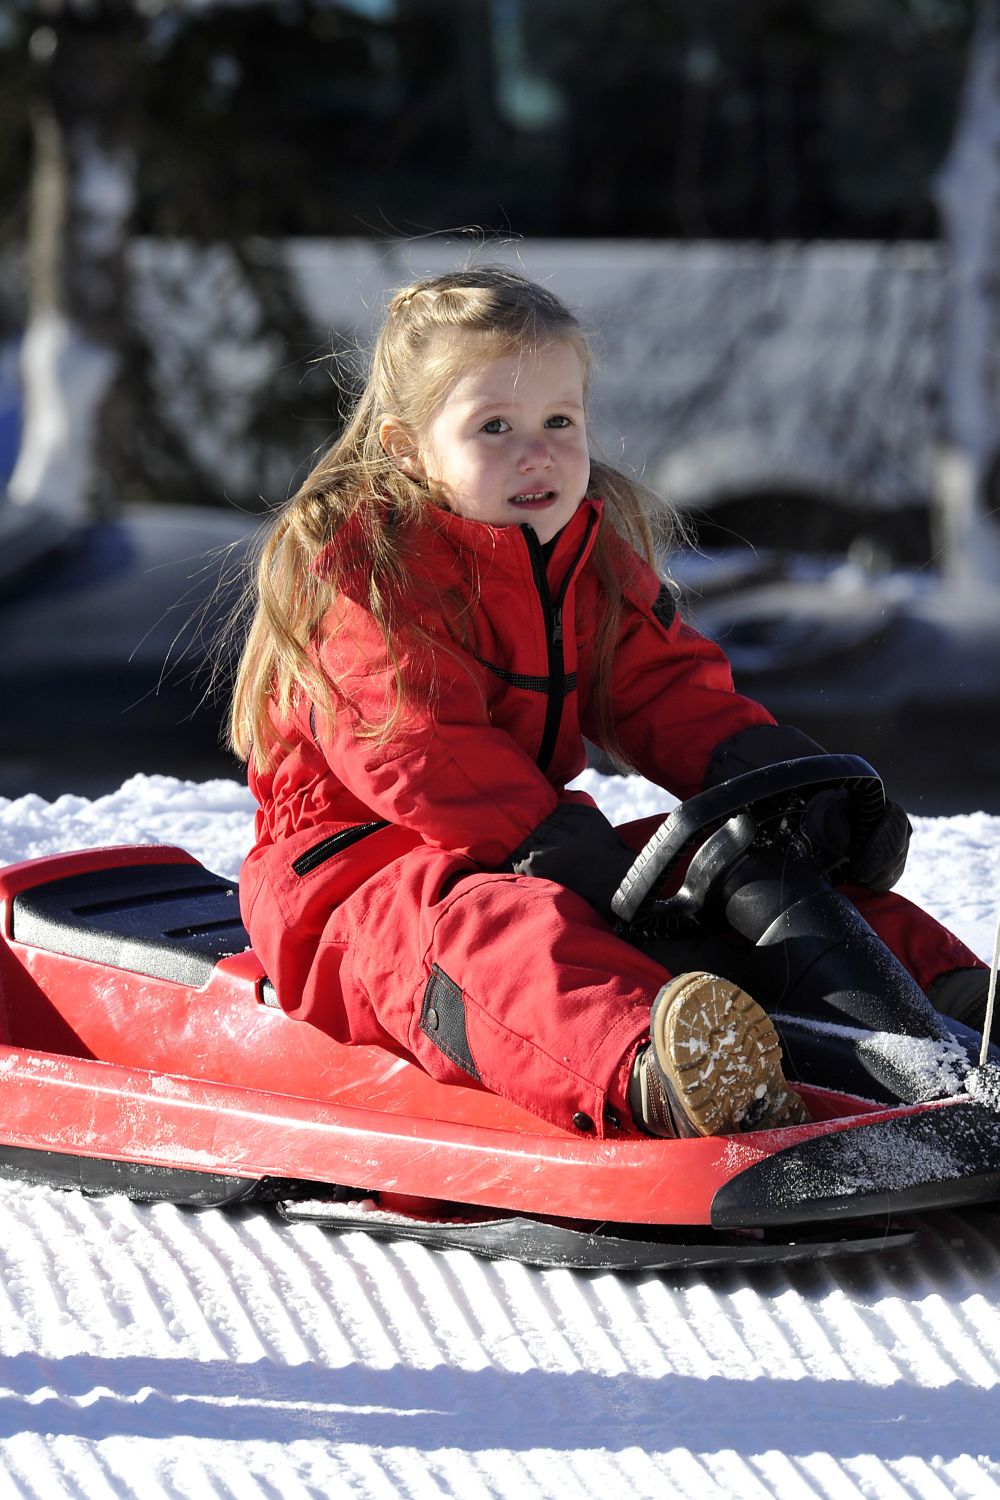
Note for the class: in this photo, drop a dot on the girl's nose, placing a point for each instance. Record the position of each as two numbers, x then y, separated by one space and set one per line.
536 455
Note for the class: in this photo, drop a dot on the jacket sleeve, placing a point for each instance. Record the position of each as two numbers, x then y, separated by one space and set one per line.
674 701
444 770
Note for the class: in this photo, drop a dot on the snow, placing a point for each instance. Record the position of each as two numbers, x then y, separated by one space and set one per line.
154 1352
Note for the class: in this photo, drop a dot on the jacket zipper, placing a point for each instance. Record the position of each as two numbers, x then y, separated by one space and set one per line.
334 844
552 609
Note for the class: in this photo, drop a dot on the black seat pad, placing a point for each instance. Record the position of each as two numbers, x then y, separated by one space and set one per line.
171 921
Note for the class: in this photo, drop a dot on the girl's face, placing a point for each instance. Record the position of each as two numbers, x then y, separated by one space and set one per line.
508 445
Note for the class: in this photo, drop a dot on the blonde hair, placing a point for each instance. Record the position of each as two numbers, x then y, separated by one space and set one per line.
421 350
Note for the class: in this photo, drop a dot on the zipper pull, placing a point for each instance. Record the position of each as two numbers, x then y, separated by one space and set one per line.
557 630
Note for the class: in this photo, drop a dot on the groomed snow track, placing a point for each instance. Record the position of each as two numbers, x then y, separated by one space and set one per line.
161 1352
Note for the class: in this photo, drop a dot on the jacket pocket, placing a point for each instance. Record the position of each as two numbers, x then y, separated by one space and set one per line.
334 844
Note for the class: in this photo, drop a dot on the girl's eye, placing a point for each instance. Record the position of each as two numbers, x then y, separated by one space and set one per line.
558 422
495 425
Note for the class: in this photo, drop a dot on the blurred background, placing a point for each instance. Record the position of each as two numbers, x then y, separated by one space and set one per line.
780 220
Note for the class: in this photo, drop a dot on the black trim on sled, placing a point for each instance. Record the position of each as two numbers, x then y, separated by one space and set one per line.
630 1247
533 1242
170 921
141 1181
942 1157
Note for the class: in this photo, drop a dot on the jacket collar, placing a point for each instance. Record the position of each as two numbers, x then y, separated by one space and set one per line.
506 549
473 547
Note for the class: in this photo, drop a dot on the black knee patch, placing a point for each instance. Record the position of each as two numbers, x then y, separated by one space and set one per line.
442 1019
962 994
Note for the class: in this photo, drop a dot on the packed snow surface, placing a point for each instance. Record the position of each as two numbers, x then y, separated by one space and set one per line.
158 1352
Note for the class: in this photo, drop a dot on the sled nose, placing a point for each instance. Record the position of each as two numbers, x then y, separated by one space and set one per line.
939 1156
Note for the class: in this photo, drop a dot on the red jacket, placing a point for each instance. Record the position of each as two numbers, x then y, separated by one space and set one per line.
380 892
490 759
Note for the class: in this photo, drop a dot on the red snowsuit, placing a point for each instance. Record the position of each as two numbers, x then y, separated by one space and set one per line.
376 894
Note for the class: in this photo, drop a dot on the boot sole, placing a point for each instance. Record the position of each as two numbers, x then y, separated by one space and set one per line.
720 1059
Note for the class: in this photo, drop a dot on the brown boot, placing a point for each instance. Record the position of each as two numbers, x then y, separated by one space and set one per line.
713 1066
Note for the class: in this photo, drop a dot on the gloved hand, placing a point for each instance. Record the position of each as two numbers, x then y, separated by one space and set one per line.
577 847
825 821
879 863
760 745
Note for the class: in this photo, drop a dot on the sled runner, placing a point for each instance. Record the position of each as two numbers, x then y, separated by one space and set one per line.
143 1051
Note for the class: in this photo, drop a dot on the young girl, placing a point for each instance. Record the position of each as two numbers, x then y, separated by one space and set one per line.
454 599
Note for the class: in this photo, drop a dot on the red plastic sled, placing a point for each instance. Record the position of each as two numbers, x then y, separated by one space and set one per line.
143 1052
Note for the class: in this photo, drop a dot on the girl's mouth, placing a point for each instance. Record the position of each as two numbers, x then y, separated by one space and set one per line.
537 497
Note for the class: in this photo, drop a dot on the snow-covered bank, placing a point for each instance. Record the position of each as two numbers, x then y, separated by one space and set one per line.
155 1352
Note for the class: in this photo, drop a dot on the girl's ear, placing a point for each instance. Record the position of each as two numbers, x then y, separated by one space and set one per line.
400 447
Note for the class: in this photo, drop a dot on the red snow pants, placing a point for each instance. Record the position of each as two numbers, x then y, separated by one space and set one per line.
511 982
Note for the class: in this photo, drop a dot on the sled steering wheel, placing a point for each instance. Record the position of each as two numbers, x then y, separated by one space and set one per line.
759 810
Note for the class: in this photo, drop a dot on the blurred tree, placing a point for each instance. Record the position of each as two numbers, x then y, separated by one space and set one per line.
222 122
968 190
82 194
676 118
93 81
783 119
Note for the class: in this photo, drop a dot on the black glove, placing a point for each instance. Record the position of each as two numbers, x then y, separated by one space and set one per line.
880 861
760 745
577 847
825 821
